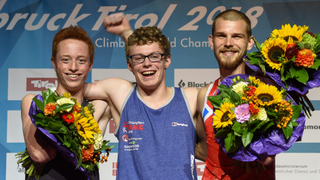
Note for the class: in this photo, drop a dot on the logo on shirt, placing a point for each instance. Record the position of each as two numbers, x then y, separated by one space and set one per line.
179 124
125 138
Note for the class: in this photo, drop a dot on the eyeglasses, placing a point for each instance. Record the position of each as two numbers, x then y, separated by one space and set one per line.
139 58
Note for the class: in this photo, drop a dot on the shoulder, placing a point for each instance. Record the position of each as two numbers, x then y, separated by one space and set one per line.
27 98
201 97
190 91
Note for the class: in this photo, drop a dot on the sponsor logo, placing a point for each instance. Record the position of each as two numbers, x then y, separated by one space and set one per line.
179 124
41 84
112 126
192 84
114 168
125 138
192 164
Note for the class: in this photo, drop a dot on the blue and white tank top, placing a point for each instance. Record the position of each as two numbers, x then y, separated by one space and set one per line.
156 143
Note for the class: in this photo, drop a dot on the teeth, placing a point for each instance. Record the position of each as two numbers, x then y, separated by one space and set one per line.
149 72
73 75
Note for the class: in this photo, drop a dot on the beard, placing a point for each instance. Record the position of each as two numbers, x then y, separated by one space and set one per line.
230 62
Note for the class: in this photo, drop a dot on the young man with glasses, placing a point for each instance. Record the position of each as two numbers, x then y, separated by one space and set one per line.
158 127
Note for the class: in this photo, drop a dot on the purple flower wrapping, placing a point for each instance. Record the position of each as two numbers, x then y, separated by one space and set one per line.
267 144
69 156
314 80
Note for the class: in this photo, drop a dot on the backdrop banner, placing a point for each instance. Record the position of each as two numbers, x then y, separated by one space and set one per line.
27 29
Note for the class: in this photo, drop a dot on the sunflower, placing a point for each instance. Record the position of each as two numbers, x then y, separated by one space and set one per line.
223 116
268 95
273 51
255 81
86 125
287 31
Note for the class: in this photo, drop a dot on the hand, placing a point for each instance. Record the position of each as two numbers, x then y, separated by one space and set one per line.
118 24
267 160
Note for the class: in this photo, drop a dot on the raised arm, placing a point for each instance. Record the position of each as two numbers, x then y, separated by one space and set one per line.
39 149
118 24
102 113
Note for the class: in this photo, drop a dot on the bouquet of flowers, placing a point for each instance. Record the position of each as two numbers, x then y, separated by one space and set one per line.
71 128
253 120
290 56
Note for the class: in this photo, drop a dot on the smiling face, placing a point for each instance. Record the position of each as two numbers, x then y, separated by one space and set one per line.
72 65
230 43
149 75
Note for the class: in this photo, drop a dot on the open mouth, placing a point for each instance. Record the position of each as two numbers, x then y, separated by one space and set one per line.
148 73
73 75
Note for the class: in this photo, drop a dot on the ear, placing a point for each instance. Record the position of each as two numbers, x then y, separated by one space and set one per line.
250 43
53 63
210 39
167 61
129 65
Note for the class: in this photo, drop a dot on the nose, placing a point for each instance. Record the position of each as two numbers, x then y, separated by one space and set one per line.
147 61
229 42
73 66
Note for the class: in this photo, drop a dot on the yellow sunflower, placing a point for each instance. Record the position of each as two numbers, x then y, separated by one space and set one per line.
287 31
268 95
86 125
223 116
273 50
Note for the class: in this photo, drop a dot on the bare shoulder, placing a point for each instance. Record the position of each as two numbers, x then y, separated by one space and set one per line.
201 97
191 92
27 99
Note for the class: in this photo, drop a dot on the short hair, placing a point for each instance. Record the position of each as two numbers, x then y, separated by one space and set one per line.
73 32
147 35
233 15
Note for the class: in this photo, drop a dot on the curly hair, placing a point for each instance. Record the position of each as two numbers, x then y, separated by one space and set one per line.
147 35
73 32
233 15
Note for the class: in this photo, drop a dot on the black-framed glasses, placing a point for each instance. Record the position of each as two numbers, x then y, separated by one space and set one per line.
139 58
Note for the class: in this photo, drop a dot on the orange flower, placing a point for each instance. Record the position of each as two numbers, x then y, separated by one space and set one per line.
87 153
253 108
68 117
49 109
305 58
251 90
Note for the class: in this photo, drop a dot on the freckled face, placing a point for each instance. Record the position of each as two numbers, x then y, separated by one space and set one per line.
72 65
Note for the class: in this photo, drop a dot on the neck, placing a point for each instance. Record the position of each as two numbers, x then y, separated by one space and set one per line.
156 98
240 69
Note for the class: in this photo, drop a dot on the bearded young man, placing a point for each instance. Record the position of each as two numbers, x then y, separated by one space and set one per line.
72 59
230 40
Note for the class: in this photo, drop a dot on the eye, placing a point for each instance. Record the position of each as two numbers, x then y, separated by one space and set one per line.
65 60
82 61
137 58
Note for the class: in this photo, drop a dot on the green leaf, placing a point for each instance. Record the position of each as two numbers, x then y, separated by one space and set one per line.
296 112
39 104
228 141
257 44
215 101
288 130
302 75
246 138
222 133
316 64
47 96
266 126
238 128
234 97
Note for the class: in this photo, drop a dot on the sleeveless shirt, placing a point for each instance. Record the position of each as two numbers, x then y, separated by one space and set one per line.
156 143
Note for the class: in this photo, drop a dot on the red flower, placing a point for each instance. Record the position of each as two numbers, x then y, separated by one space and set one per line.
49 108
253 108
291 52
68 117
77 108
251 90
